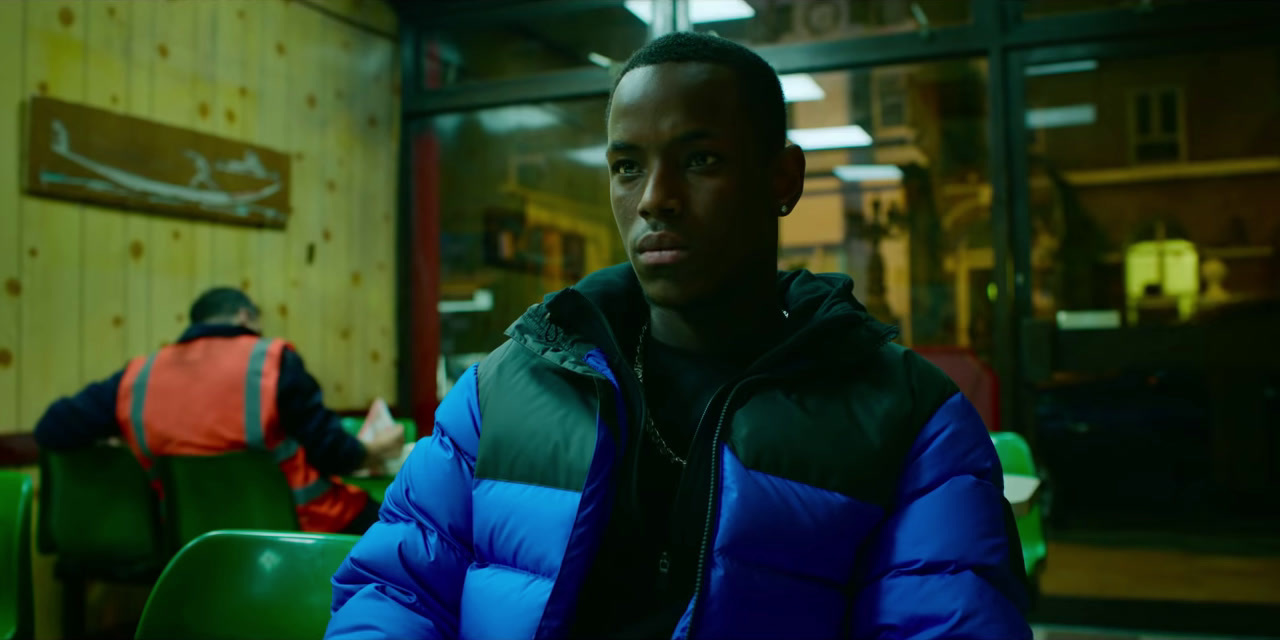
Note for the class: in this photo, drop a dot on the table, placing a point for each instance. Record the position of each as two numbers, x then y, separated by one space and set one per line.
376 484
1021 490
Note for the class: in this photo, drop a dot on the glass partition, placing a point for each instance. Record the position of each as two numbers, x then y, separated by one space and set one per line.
897 194
524 210
1155 258
767 22
557 36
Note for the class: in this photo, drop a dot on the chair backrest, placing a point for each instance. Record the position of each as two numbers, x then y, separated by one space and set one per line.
17 614
975 378
236 490
1014 453
98 511
246 584
1015 457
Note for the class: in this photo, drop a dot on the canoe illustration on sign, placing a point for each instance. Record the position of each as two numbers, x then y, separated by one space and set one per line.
201 190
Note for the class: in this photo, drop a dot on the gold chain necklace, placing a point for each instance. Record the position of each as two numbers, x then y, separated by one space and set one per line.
650 426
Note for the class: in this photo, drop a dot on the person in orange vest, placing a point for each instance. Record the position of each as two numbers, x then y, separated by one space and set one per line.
223 387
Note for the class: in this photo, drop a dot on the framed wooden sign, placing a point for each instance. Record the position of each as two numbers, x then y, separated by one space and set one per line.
74 152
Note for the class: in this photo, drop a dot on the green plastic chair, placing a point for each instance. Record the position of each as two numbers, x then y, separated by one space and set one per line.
99 515
237 490
1015 457
237 585
17 615
352 426
375 486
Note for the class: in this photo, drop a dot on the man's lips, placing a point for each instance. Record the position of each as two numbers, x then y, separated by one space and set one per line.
661 248
660 241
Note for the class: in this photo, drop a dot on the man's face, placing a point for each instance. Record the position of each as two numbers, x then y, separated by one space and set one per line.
690 180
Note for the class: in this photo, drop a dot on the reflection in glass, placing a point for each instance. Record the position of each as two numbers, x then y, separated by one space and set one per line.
799 21
555 36
524 210
897 197
1160 152
1155 258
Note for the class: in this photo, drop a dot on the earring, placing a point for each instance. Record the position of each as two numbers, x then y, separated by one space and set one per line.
784 208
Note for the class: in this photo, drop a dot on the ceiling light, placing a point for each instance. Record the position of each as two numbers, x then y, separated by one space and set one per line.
516 118
820 138
1054 68
1066 116
801 87
700 11
868 172
600 60
593 156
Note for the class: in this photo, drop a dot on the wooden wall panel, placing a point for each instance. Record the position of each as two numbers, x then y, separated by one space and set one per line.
52 271
218 84
293 76
267 115
335 101
174 247
142 55
13 86
306 295
105 250
380 176
360 231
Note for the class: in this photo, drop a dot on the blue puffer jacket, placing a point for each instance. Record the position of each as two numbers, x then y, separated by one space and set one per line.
892 525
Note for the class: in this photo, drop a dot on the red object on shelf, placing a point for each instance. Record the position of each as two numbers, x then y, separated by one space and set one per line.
976 379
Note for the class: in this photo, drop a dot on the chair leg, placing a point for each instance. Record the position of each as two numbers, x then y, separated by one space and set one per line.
74 603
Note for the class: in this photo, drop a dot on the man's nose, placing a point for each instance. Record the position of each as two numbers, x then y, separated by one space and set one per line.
663 194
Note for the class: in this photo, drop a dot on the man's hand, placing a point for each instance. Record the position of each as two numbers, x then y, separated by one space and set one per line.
387 445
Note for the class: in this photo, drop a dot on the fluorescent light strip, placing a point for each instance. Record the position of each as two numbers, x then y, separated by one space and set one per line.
700 11
821 138
1067 116
600 60
1054 68
516 118
592 156
801 87
868 172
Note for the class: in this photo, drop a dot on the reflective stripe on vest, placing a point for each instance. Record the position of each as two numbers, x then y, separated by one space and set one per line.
285 450
139 404
312 491
254 436
253 396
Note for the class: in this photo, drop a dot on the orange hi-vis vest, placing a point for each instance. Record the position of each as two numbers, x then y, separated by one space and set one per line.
218 394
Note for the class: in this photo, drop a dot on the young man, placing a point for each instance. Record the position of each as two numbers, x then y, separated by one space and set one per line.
223 388
695 445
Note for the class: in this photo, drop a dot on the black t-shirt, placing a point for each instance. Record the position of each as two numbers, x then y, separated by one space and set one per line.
649 577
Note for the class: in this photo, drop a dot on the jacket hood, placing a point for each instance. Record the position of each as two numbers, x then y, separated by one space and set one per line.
821 310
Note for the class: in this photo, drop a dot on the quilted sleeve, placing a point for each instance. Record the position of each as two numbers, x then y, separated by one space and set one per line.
942 565
404 578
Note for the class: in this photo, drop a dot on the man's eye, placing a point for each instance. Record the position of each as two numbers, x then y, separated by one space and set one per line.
702 159
626 167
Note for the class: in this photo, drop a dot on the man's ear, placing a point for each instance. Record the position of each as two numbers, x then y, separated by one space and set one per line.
788 178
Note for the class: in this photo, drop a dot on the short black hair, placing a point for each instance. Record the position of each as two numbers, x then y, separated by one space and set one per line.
220 302
761 89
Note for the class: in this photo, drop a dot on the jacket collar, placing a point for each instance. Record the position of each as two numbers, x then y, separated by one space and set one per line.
198 331
608 307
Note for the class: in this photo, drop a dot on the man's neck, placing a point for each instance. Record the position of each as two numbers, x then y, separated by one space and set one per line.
744 325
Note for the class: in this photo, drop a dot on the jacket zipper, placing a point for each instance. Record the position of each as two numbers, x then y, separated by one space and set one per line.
705 546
